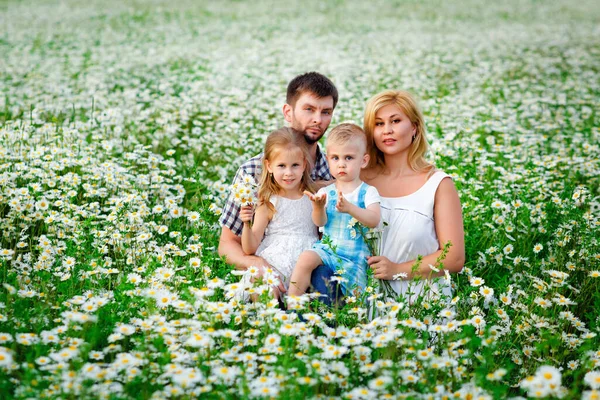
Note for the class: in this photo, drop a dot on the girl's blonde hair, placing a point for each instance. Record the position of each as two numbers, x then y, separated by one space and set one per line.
281 140
407 104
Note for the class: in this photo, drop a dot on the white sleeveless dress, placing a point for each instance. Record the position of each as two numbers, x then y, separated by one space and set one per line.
289 233
411 232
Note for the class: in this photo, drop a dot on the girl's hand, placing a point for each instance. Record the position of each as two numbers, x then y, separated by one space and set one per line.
319 200
382 267
246 213
343 205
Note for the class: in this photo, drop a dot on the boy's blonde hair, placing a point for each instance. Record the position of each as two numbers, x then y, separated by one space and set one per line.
407 104
344 133
280 140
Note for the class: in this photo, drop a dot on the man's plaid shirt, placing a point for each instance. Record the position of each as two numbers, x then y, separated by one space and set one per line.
253 167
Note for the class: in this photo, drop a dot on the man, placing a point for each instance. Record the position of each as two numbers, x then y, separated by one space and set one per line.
310 101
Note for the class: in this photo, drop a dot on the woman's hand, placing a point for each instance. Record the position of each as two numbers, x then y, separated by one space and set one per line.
246 213
319 200
382 267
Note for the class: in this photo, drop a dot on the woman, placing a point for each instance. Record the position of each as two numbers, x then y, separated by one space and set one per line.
420 204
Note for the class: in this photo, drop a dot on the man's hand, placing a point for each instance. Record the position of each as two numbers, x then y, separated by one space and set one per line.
256 261
246 213
277 290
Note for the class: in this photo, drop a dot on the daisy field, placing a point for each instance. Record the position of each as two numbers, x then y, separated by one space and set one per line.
122 125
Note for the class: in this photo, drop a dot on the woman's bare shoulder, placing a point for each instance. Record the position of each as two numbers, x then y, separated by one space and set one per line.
370 175
446 189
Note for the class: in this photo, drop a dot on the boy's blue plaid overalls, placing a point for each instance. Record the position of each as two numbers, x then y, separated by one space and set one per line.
350 252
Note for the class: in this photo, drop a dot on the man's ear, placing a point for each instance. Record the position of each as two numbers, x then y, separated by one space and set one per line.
365 160
288 112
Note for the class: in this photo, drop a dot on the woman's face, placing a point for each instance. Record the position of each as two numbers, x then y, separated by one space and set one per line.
393 130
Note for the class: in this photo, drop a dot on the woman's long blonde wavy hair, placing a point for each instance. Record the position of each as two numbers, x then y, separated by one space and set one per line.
407 104
281 140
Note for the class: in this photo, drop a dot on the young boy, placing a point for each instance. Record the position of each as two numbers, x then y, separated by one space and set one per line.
334 208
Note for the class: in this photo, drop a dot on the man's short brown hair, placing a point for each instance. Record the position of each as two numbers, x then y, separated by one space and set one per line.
312 82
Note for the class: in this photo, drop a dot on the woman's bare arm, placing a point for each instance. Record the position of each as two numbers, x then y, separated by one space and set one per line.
449 228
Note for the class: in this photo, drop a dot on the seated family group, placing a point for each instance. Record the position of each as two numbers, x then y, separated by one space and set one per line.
376 177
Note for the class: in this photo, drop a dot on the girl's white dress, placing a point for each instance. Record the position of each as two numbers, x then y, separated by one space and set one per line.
411 232
289 233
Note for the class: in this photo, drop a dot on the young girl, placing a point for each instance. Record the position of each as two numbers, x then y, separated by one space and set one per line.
282 227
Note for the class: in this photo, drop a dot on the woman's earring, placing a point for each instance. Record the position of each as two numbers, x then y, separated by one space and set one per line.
413 138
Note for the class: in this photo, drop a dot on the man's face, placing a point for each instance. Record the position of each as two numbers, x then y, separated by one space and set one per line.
311 115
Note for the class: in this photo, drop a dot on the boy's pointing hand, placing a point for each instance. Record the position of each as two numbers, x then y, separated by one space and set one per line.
342 205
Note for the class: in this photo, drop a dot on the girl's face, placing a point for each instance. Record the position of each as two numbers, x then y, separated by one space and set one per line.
393 130
287 168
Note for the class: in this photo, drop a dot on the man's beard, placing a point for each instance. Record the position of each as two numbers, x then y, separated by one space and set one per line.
310 140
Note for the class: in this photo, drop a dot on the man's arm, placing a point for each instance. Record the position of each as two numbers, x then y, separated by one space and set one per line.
230 246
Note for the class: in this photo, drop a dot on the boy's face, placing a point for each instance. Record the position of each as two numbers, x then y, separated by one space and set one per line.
346 160
310 115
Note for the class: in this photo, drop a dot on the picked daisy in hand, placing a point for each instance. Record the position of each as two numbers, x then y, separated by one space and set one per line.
244 191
